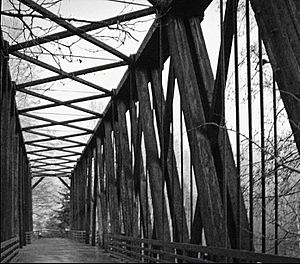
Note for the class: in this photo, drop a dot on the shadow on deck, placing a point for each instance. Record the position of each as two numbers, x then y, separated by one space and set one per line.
60 250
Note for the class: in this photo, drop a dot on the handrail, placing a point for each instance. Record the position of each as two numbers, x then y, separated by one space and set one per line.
188 250
9 249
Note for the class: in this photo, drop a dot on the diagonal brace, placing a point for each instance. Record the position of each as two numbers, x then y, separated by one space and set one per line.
36 7
59 71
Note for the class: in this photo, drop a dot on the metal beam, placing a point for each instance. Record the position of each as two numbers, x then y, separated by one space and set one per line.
36 7
37 183
61 123
50 137
62 157
45 165
85 28
52 149
62 170
60 102
49 148
50 175
59 71
64 183
75 73
53 164
77 100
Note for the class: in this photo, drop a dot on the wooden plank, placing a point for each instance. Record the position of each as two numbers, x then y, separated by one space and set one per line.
171 173
139 175
95 196
10 157
206 85
215 251
101 199
280 33
121 184
203 162
88 197
4 141
131 215
72 199
16 183
110 177
162 230
82 197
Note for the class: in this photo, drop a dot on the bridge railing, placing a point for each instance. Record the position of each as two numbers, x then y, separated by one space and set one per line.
149 250
50 233
10 249
78 235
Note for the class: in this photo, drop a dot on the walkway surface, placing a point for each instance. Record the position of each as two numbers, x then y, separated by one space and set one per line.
59 250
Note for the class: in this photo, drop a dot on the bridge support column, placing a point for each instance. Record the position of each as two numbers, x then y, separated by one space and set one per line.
280 27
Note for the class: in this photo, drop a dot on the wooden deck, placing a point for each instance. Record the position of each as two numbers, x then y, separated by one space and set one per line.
59 250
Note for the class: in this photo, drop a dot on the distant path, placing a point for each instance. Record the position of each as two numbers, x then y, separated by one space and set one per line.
59 250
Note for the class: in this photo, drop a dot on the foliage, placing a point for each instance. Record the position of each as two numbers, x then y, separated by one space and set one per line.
60 218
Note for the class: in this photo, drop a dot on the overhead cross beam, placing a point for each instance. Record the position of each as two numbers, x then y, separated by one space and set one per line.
53 149
49 148
77 100
62 123
51 170
62 157
54 164
37 183
36 7
75 73
58 102
50 137
64 183
85 28
59 71
50 175
46 165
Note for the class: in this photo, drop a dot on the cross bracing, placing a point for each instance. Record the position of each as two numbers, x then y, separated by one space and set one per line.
185 150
